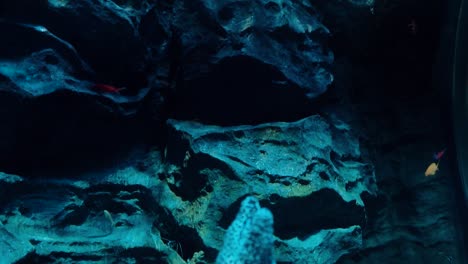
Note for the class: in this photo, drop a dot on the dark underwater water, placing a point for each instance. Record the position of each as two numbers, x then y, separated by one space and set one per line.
203 131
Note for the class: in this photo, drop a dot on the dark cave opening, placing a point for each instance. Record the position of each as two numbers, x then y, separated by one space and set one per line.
325 210
71 135
240 90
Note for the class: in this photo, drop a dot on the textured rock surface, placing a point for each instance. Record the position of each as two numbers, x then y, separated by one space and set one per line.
310 165
168 211
92 189
175 58
311 152
274 33
57 221
187 50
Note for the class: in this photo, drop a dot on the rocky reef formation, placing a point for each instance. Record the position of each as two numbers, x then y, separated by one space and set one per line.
176 205
133 130
310 165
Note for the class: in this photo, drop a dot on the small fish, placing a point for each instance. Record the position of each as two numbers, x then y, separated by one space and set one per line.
106 88
413 27
432 169
438 155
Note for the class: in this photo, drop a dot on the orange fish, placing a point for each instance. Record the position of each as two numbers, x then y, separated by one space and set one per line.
432 169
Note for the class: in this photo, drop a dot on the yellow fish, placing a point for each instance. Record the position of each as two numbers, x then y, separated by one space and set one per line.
432 169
